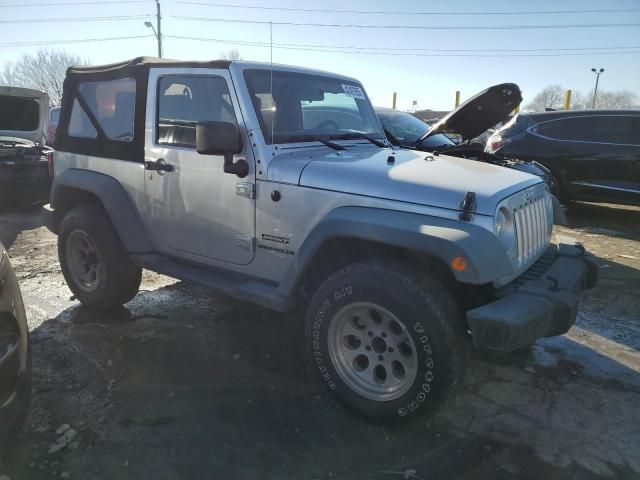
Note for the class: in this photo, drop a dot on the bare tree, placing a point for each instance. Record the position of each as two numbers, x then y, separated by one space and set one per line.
612 100
551 96
232 54
45 70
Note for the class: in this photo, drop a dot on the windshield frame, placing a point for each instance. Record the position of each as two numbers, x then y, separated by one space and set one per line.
281 138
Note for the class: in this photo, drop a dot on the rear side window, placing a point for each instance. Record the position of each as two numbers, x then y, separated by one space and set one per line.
183 101
599 129
79 123
112 103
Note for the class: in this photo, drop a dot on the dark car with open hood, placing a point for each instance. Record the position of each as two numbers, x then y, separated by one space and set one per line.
24 167
592 155
15 357
472 118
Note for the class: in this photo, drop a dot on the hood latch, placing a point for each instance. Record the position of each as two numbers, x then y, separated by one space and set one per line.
468 206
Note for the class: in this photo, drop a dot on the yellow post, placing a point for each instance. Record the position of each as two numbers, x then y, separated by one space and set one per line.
457 98
395 99
567 100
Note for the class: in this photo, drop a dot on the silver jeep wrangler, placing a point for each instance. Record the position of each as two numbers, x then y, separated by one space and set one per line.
276 185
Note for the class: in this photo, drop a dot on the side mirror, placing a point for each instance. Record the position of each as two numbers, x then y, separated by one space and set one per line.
222 138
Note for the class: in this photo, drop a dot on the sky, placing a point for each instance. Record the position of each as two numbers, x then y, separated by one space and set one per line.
431 77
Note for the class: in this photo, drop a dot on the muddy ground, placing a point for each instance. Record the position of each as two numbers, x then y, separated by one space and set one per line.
184 383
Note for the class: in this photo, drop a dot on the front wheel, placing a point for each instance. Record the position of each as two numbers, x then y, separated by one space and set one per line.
386 341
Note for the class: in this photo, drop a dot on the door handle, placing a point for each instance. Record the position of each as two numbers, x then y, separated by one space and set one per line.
159 166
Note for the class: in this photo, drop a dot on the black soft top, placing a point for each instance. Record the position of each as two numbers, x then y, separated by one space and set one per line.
102 146
142 63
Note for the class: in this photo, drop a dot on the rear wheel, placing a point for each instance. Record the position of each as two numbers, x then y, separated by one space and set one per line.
97 268
385 340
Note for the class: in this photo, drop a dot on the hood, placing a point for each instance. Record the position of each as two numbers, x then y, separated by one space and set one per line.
480 112
439 181
23 113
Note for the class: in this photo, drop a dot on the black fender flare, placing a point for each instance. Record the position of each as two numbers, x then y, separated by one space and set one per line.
114 198
441 238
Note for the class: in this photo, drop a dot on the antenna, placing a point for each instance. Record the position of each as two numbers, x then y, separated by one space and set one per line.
273 119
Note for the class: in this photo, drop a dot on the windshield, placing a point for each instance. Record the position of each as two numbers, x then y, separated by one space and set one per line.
405 129
302 106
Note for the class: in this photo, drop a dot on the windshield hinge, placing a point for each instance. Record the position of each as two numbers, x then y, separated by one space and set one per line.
246 189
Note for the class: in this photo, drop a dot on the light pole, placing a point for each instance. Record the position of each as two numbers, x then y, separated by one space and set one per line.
595 90
157 33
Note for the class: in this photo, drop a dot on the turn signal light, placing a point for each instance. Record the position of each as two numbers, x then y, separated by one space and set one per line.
459 264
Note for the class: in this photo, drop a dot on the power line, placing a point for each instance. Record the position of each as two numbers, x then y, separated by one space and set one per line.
411 27
57 4
353 47
63 42
82 19
388 12
441 54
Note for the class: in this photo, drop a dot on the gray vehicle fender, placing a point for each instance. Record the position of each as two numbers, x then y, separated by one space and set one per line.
114 198
438 237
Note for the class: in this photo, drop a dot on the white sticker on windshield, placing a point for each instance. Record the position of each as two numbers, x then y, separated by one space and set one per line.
353 91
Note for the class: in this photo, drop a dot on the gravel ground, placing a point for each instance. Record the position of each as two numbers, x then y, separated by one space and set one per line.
184 383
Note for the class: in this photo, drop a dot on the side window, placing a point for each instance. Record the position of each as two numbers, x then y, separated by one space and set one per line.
635 131
183 101
601 129
612 129
112 103
79 124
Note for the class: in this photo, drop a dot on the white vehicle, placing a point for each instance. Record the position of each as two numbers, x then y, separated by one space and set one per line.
245 177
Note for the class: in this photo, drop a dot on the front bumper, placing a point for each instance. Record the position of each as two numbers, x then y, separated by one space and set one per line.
542 302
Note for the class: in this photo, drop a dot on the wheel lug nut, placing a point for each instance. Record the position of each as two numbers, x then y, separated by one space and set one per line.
390 350
370 334
368 348
384 334
380 357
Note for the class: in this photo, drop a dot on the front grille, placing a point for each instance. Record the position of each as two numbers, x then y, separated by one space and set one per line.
533 227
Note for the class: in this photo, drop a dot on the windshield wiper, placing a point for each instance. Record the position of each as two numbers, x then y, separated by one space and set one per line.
354 135
311 138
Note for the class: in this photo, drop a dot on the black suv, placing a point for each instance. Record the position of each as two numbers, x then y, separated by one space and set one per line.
593 155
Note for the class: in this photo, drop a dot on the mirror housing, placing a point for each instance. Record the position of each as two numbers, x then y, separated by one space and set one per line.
222 138
218 138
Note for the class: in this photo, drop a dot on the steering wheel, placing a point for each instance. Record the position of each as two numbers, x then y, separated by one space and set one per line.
328 125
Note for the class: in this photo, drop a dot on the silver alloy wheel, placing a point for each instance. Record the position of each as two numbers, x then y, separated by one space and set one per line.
83 259
372 351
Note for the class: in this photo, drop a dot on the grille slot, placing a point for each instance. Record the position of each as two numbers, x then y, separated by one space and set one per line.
533 228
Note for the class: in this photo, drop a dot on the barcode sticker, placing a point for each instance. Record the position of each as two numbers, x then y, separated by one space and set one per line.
353 91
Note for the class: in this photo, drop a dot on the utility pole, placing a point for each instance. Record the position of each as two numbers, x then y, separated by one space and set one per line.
159 25
157 31
595 90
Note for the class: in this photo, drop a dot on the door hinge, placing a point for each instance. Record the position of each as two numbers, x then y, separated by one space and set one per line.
245 242
246 189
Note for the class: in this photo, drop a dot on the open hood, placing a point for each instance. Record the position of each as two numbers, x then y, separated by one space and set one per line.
480 112
23 113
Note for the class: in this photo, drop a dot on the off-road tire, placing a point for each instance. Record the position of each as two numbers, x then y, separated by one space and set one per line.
119 277
428 314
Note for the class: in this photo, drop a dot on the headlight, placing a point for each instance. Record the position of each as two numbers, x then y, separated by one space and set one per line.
505 229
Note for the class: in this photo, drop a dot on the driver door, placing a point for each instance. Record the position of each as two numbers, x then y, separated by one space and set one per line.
195 209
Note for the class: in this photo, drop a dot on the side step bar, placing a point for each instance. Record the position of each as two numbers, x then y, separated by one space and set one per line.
233 284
